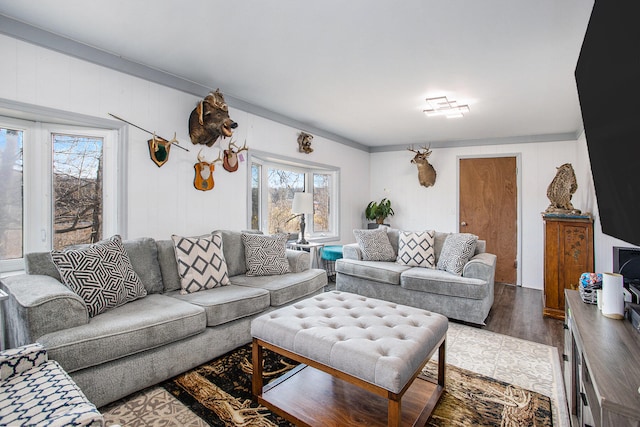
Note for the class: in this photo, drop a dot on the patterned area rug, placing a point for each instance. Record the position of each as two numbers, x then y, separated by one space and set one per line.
472 399
219 393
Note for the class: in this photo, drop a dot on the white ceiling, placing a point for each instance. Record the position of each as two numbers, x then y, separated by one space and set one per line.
360 69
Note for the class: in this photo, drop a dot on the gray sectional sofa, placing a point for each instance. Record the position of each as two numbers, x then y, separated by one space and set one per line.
467 297
153 338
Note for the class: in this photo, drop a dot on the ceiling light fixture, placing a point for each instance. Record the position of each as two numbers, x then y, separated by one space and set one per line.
441 106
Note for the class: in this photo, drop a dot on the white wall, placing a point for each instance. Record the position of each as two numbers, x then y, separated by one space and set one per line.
162 201
417 207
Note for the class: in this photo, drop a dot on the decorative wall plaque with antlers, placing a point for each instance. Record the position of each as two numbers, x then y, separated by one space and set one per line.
230 161
158 146
203 180
159 149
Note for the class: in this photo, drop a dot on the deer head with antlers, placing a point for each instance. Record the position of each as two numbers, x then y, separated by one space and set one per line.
204 172
426 172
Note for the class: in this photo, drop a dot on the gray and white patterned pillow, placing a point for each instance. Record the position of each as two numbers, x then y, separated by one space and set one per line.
457 249
416 249
265 255
101 274
201 263
375 245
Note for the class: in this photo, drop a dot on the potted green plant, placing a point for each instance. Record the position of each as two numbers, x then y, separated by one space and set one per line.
379 211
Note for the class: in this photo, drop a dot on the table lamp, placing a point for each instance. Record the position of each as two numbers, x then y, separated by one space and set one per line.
302 204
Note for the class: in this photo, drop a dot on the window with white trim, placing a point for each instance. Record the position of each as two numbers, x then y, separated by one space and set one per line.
274 181
58 187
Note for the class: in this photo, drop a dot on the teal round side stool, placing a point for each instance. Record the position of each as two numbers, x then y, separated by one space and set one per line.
329 256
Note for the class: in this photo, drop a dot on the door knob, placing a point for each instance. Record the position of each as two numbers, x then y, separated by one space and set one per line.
463 223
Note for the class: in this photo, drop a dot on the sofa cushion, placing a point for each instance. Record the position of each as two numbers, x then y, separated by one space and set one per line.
380 271
101 274
443 283
226 303
375 245
201 263
416 249
265 255
287 287
458 248
234 250
143 254
147 323
394 236
168 265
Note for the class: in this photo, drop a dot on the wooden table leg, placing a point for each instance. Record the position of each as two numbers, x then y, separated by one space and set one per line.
394 414
441 363
256 377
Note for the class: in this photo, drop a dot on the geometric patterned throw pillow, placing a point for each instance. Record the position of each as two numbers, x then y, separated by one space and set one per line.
100 273
201 263
416 249
375 245
265 255
457 249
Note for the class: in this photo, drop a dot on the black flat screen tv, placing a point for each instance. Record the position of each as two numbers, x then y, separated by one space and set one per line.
608 82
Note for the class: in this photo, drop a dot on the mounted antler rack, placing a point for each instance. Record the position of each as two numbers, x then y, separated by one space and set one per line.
158 147
203 180
230 163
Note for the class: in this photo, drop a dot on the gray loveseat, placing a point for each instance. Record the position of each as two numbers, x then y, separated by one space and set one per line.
156 337
467 297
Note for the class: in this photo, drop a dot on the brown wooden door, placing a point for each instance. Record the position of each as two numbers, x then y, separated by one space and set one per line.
488 209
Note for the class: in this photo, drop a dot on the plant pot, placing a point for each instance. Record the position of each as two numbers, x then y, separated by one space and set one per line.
373 225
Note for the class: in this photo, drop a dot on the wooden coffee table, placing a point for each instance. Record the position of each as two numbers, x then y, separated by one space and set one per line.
350 372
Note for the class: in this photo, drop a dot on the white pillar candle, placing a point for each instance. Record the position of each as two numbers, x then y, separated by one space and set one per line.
612 295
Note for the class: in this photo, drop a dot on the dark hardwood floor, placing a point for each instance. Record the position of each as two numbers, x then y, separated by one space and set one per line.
517 312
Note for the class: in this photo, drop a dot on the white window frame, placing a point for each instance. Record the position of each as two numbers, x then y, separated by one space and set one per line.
37 177
266 160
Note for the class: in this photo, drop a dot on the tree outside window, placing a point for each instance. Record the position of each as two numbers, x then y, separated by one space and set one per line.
77 188
273 186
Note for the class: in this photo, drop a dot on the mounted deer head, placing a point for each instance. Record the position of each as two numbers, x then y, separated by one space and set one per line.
204 172
230 162
426 172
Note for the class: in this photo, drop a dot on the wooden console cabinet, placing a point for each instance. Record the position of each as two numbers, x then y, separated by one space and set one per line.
568 252
601 367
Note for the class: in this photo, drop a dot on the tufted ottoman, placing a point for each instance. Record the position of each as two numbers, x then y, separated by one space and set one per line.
360 357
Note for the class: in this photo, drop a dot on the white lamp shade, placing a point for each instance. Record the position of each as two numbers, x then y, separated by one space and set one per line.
302 203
